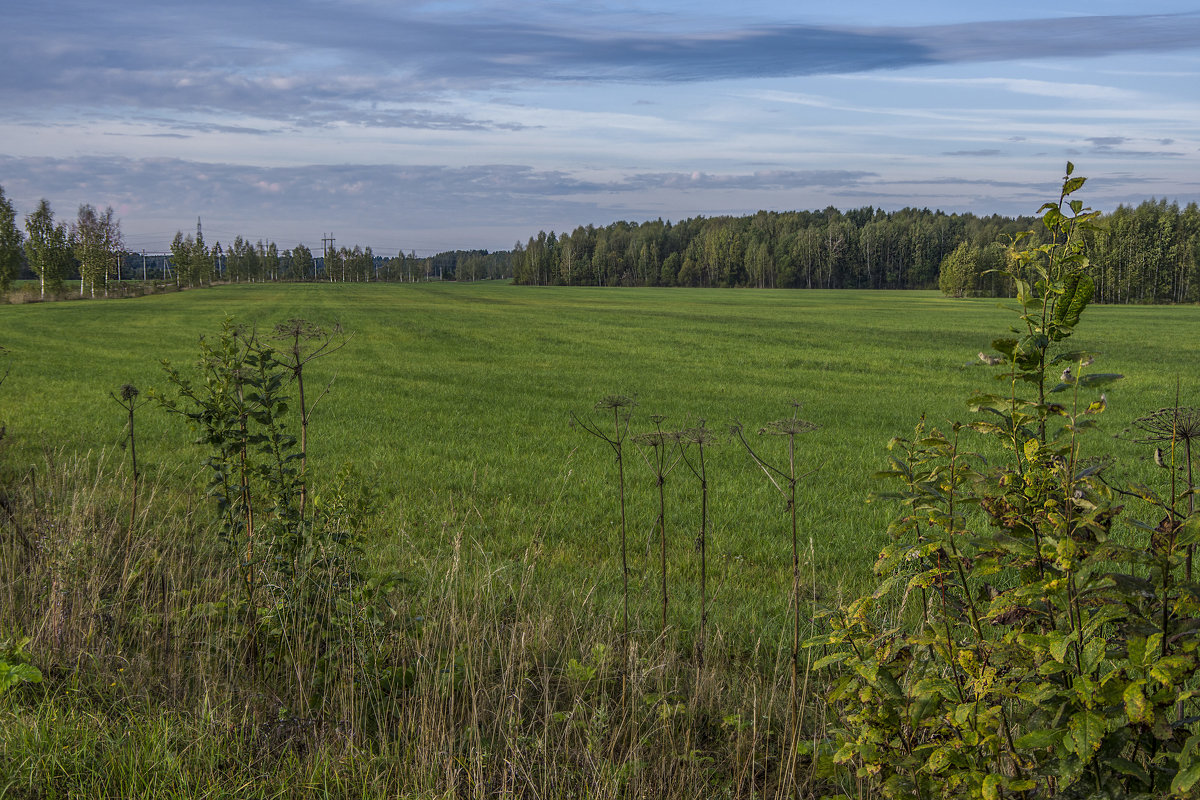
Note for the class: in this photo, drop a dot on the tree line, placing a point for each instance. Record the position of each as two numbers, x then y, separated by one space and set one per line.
196 264
1147 254
91 249
1144 254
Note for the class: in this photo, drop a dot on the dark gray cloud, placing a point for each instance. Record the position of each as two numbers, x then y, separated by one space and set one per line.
1107 141
1112 146
313 63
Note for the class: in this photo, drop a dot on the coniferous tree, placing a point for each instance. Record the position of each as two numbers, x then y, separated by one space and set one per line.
10 243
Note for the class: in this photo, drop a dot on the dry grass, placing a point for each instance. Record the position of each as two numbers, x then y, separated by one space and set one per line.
461 681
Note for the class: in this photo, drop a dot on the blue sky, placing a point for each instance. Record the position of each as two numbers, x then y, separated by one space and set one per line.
432 125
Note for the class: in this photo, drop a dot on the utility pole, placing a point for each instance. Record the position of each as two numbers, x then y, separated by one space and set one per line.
327 244
143 266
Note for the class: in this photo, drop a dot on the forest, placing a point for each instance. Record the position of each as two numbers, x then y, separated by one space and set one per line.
1144 254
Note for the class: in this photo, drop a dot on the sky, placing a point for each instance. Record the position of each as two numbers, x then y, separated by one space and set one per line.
429 126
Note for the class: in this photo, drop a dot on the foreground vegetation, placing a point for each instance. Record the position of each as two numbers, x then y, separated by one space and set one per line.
458 628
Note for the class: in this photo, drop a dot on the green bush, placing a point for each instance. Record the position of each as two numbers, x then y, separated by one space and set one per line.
1041 648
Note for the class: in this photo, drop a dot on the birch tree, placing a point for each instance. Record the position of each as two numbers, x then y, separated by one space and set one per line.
96 238
47 249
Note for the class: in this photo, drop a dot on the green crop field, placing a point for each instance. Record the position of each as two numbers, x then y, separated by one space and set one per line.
454 401
173 665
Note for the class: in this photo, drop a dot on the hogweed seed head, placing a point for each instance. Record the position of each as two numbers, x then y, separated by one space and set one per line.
299 329
792 426
654 438
698 435
609 402
1175 423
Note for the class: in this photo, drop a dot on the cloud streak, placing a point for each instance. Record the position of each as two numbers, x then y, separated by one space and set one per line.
372 66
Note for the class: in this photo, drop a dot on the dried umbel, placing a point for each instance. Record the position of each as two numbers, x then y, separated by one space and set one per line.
1171 424
784 478
613 401
654 439
621 406
699 435
792 426
1176 425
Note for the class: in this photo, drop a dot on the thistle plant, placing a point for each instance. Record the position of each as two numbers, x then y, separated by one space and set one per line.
784 478
659 450
621 408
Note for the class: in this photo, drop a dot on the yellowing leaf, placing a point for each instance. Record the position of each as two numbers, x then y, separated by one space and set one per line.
1085 733
1136 707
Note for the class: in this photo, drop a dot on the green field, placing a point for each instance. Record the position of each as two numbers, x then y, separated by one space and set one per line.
455 401
497 666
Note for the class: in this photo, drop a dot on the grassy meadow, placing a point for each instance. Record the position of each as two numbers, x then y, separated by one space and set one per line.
455 401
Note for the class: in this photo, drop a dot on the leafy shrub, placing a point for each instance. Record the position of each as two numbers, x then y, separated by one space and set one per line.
1050 652
302 598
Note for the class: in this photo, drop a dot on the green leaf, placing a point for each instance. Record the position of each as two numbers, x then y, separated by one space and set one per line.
923 708
1058 644
1005 346
1167 670
1186 779
12 674
991 787
1189 532
1085 733
1127 767
830 659
939 759
888 682
1078 289
1036 740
